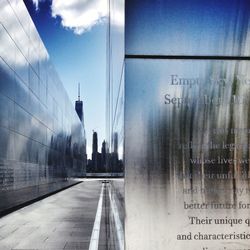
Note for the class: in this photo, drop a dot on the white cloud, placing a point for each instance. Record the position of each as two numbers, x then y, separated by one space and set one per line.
117 16
36 49
80 15
36 3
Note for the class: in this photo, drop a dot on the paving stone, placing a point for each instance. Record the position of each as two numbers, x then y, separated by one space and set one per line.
62 220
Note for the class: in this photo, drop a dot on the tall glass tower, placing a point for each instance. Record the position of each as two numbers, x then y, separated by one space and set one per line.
79 106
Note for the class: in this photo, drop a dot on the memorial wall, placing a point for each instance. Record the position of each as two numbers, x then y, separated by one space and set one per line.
115 85
187 125
42 141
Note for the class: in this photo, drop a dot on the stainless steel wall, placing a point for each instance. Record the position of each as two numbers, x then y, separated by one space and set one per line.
187 94
42 141
115 85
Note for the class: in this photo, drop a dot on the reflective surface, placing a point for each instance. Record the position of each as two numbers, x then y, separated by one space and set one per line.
67 220
193 150
193 27
186 124
42 139
115 86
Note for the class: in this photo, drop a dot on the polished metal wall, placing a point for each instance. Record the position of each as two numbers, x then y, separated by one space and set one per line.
42 139
115 85
187 120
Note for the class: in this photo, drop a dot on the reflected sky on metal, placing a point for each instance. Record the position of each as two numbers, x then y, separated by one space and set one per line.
42 138
192 27
115 79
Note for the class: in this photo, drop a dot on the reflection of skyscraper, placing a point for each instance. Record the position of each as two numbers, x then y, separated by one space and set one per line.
79 106
95 143
79 111
44 151
104 155
114 161
115 143
115 89
95 152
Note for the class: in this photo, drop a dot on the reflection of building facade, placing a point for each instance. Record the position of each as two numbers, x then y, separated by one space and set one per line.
79 107
80 113
115 87
96 164
42 139
115 164
104 156
79 110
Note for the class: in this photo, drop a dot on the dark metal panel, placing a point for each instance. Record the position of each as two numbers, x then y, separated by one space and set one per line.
193 27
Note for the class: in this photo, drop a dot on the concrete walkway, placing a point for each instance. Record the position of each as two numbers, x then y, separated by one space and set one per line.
62 221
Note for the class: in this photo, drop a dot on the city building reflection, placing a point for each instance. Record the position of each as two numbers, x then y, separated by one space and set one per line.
42 139
115 87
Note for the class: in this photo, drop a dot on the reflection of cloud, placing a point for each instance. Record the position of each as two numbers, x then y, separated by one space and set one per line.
36 2
17 53
117 13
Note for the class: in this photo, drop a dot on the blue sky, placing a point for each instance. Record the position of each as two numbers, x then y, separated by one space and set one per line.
76 43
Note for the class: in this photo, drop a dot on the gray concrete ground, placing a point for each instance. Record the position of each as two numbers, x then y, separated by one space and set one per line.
62 221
